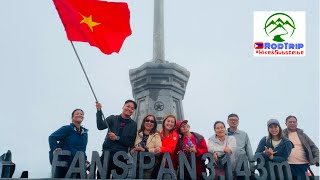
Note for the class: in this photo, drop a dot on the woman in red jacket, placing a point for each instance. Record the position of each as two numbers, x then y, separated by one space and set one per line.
169 137
191 142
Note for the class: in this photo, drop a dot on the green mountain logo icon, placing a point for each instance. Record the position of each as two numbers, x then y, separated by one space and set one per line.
279 24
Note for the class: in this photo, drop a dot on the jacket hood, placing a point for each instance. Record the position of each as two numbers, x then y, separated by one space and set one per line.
83 129
178 125
284 141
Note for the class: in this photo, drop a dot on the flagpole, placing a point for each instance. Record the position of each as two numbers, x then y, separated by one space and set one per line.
95 97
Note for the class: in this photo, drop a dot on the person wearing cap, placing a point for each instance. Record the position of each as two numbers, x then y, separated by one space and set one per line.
190 142
221 144
304 153
274 147
243 142
121 133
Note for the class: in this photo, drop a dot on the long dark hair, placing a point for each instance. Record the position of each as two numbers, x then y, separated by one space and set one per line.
154 129
164 120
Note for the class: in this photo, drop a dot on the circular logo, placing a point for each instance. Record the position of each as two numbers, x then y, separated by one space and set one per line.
280 26
158 106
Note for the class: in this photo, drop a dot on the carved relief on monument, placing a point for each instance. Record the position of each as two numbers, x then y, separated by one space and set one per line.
159 106
142 109
178 83
159 80
176 108
140 82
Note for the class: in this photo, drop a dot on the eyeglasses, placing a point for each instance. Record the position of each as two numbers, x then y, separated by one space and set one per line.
184 125
149 121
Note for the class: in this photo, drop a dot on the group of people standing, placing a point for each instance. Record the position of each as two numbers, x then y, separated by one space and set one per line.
290 144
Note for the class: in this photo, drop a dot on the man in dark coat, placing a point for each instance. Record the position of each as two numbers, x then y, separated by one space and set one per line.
121 133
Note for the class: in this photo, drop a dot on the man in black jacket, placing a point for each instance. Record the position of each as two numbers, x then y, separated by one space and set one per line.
121 133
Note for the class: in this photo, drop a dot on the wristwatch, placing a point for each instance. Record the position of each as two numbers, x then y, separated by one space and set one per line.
117 138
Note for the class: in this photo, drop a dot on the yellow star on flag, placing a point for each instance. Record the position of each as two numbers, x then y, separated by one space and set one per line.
89 22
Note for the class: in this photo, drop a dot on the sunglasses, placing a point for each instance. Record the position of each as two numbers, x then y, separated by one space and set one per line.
150 121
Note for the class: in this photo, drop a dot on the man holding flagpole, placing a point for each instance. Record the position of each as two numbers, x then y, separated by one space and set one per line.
122 132
104 25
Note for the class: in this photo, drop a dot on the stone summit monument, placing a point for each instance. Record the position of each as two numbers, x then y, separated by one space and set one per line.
158 86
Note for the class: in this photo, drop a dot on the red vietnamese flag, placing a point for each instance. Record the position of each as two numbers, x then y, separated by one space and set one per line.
102 24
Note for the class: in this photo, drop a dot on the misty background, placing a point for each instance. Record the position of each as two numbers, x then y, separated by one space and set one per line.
42 82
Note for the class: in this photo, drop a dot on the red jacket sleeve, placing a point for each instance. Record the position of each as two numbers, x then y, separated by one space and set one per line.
201 148
170 144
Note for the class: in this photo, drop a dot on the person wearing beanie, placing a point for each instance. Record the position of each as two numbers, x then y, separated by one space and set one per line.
274 147
190 142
